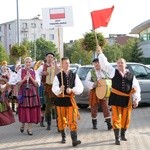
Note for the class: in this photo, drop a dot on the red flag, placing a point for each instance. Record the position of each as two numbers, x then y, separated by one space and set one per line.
101 17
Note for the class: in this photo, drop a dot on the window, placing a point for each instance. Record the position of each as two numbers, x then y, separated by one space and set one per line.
140 71
24 25
51 36
25 35
33 36
33 25
9 26
10 36
43 36
0 28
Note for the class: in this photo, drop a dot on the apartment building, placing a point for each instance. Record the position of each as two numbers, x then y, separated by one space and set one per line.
30 29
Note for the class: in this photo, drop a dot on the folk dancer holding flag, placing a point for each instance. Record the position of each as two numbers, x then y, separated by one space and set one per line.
125 88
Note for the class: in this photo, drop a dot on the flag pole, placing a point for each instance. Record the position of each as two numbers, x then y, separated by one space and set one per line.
61 70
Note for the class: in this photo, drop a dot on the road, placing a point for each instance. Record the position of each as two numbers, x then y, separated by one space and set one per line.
138 135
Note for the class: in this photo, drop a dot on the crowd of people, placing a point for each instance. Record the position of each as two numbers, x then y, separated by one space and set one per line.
46 91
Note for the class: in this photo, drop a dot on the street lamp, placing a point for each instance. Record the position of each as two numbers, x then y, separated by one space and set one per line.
36 17
18 23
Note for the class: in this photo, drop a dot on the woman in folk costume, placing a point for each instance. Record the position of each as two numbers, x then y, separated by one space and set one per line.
41 93
6 114
125 88
66 84
29 109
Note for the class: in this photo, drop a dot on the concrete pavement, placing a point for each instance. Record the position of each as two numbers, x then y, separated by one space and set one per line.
138 135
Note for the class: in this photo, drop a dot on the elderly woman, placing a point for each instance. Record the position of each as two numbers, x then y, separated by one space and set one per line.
29 110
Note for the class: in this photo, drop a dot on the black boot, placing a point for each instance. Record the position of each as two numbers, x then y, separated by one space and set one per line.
48 125
108 121
123 134
63 135
42 120
94 122
117 139
48 120
53 113
75 142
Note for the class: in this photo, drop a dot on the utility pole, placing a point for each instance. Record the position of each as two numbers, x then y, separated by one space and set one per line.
36 17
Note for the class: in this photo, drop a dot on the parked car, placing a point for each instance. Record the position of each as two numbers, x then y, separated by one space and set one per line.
147 66
74 67
141 71
82 99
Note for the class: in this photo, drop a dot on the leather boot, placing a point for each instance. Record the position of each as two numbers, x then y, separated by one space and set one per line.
123 134
94 122
63 135
42 120
48 125
117 139
48 120
75 142
108 121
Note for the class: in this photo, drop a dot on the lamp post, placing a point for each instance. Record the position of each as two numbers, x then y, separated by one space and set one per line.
18 26
36 17
18 23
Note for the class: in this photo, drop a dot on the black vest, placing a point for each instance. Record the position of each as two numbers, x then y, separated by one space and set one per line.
69 82
123 84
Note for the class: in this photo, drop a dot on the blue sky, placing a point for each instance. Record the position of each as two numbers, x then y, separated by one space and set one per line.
126 15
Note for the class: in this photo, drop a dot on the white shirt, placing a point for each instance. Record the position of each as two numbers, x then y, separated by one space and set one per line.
106 66
77 89
13 78
37 77
89 83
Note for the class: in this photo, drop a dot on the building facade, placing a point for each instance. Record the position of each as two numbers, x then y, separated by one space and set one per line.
30 29
143 31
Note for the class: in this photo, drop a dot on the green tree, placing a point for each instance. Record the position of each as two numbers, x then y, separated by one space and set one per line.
68 50
43 47
89 41
131 51
29 46
3 54
79 55
17 51
113 52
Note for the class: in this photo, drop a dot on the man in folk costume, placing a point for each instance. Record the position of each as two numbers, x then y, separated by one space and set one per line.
125 88
91 82
48 71
66 84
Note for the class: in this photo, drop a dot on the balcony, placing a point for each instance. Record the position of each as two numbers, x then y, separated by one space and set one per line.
24 29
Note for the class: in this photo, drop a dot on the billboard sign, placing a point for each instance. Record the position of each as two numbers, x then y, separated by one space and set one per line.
57 17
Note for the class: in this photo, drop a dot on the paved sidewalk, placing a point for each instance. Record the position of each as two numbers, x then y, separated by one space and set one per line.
138 135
